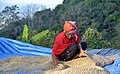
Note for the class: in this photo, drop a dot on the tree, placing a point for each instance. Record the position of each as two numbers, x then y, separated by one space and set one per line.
10 14
28 12
7 17
42 19
103 16
1 21
92 37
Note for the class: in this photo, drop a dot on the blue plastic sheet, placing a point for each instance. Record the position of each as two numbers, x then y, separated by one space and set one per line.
115 67
9 47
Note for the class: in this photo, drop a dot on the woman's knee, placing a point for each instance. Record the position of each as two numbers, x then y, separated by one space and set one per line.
73 46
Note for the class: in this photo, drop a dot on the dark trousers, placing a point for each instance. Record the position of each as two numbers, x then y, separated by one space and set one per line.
71 52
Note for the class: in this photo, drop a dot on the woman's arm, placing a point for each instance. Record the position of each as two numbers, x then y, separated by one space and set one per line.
82 52
54 60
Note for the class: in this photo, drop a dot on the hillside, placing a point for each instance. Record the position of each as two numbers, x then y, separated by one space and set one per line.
100 15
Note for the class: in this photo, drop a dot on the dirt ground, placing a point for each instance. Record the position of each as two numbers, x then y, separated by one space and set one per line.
44 65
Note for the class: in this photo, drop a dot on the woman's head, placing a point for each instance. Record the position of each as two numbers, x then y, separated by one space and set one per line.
70 29
69 26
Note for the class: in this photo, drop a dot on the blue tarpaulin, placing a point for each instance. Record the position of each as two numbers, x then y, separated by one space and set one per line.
115 67
9 47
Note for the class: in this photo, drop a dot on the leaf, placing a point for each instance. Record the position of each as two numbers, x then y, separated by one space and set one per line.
25 34
39 35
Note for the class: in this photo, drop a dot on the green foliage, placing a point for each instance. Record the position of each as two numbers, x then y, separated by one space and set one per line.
39 36
32 33
103 16
94 39
115 42
47 40
25 34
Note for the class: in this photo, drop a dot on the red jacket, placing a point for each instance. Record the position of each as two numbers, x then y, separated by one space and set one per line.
62 42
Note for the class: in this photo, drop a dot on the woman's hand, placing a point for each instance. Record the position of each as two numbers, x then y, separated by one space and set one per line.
59 67
82 53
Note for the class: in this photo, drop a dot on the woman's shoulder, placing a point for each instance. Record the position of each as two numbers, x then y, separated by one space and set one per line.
60 36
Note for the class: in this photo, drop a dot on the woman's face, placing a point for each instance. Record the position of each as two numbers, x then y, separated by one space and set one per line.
70 34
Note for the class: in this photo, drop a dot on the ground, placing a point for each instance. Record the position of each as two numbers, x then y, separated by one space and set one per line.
41 65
